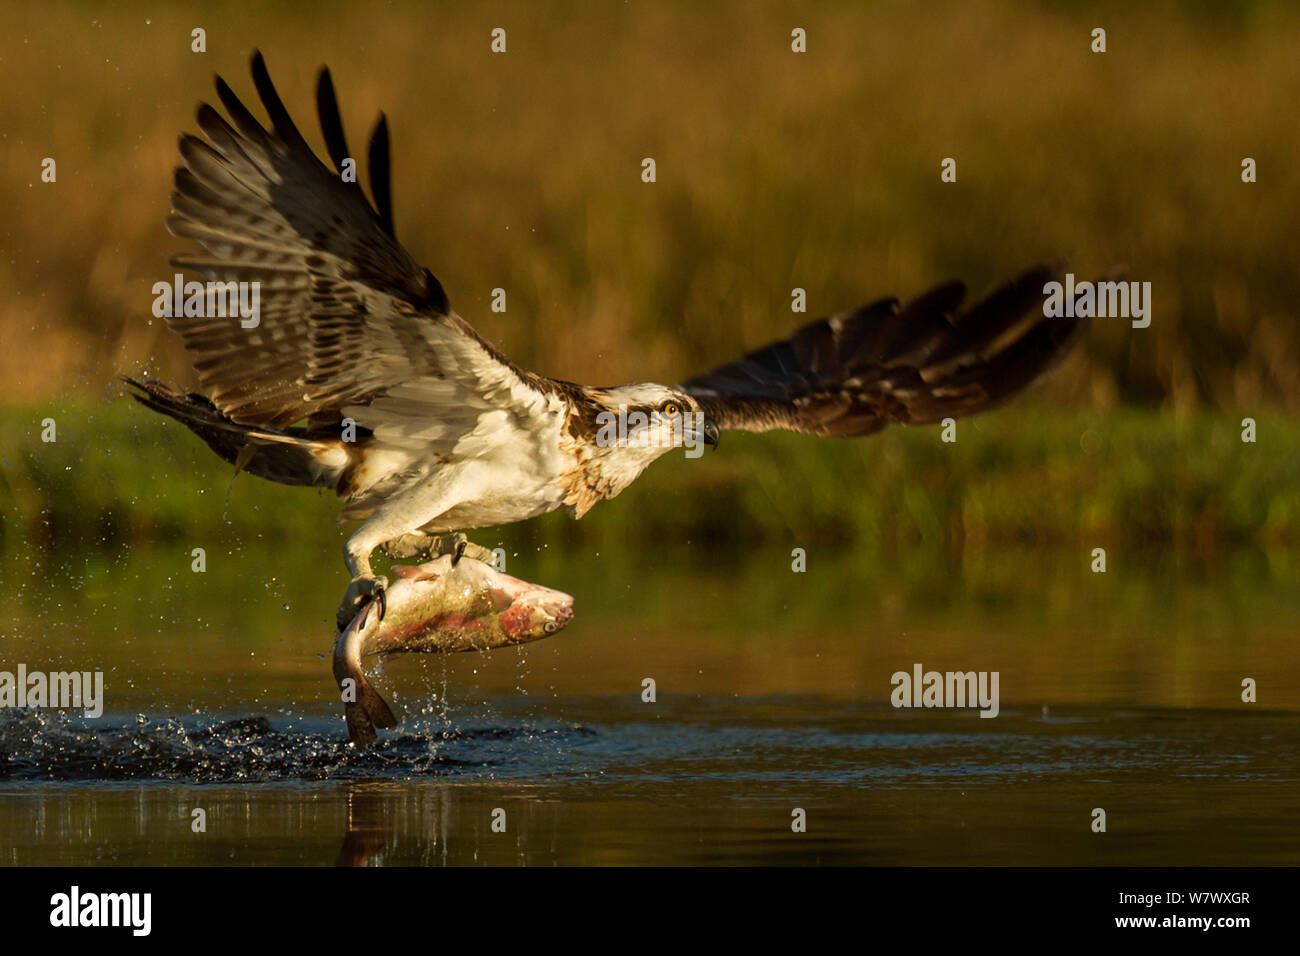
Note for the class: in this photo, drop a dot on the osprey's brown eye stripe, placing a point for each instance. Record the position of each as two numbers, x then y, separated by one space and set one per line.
671 409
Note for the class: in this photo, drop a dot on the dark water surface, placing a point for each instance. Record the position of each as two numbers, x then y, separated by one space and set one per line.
698 782
1120 692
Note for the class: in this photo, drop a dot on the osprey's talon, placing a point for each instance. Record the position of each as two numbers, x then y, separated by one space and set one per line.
417 544
453 544
459 546
362 590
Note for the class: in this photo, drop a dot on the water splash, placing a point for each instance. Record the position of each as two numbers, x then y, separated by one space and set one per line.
52 747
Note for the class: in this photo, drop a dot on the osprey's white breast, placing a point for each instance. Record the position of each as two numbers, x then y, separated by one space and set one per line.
508 470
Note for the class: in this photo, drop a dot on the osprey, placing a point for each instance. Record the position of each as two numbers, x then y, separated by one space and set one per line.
359 376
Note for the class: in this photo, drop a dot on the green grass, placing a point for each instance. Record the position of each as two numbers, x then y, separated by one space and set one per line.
119 475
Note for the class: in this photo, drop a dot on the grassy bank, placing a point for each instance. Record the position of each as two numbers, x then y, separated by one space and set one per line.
118 475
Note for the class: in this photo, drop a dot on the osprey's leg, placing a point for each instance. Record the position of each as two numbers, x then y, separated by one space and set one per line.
392 521
365 584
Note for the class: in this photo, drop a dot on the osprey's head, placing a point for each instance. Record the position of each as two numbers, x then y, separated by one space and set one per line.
635 424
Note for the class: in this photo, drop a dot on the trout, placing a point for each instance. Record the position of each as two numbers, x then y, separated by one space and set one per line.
440 607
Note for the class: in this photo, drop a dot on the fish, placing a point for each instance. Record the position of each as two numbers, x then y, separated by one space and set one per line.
447 606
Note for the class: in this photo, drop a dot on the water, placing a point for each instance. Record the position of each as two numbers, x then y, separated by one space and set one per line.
1120 692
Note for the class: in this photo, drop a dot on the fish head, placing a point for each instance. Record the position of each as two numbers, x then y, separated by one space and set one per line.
535 612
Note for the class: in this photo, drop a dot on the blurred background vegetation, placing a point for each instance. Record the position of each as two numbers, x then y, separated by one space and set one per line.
775 170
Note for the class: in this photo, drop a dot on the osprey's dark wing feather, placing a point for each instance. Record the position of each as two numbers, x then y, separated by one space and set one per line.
347 316
854 373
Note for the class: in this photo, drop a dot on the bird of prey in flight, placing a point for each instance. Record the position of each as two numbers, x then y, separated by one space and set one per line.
447 433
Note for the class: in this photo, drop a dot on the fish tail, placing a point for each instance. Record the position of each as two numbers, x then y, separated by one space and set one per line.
366 713
360 728
369 710
376 708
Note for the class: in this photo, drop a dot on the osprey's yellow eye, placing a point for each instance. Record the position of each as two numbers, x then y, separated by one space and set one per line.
671 409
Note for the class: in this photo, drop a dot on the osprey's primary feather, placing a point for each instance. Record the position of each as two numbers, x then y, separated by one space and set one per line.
854 373
360 376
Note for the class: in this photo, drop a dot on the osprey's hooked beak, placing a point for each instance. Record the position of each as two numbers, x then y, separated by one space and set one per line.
711 434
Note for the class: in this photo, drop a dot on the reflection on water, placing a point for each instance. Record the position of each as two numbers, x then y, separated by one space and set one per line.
1120 691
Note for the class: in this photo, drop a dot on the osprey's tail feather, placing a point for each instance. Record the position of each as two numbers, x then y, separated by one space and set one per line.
289 456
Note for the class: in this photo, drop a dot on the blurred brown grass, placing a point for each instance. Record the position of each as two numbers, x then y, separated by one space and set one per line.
775 170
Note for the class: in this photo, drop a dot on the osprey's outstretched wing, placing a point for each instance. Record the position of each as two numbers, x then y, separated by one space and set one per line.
854 373
347 316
